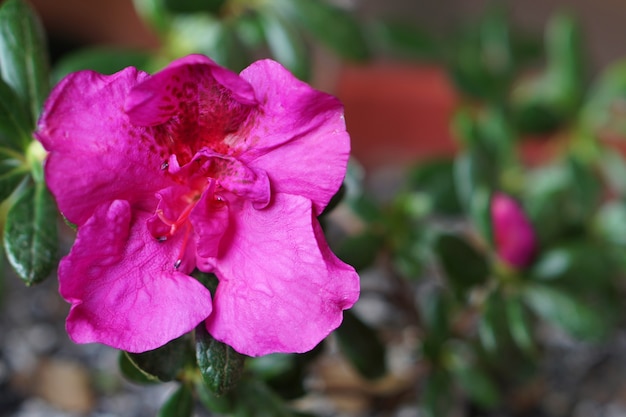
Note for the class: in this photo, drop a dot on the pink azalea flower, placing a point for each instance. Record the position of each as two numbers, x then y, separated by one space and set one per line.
198 167
513 234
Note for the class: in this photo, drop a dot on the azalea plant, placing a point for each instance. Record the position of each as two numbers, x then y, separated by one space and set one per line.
200 183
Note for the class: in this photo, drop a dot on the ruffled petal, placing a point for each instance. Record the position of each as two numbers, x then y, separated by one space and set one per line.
124 289
281 289
210 220
299 137
93 147
191 104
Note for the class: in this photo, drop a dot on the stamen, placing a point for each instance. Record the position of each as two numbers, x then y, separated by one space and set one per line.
165 165
183 246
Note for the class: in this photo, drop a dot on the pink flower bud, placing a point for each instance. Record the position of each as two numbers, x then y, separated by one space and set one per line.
513 234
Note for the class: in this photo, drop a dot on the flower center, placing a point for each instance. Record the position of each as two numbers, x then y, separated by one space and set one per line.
164 226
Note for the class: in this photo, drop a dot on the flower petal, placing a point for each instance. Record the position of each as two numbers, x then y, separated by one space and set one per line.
299 137
281 289
210 220
93 147
124 289
191 104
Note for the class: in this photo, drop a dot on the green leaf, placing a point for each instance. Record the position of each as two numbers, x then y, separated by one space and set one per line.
221 404
545 102
132 373
436 394
23 56
576 265
101 59
474 170
602 110
435 307
154 13
194 6
563 310
481 59
30 234
479 387
480 213
492 323
406 39
220 365
464 266
180 403
362 346
610 222
360 250
12 173
436 180
334 27
519 324
206 34
253 398
285 42
165 363
15 123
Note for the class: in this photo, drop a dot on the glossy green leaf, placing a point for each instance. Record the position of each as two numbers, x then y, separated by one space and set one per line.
164 363
30 234
285 42
565 311
132 373
179 404
463 265
23 55
362 346
12 173
220 365
101 59
15 122
336 28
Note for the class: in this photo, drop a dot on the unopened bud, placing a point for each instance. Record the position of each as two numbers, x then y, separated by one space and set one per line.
513 233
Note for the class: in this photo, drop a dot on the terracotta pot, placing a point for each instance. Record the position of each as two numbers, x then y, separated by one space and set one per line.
397 113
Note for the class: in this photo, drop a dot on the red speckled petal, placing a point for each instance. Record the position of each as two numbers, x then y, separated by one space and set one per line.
96 156
191 104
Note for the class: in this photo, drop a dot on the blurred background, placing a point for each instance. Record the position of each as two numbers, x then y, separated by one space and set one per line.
448 104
